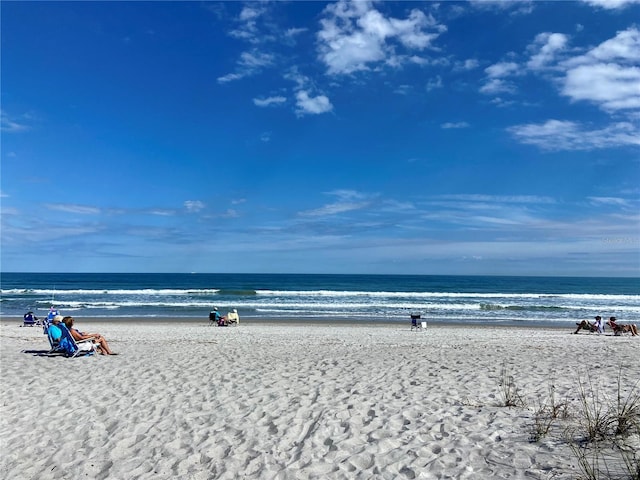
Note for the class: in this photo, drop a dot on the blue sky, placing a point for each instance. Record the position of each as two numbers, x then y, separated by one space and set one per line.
321 137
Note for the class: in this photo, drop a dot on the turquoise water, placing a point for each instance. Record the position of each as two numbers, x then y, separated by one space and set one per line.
465 299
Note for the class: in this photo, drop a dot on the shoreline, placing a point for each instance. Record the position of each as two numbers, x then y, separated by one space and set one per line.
316 321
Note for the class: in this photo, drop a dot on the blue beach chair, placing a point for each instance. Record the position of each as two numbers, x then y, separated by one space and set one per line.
30 320
54 334
416 324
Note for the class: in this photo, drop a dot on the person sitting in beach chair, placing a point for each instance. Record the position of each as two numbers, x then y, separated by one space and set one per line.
233 317
416 323
30 320
69 347
54 334
52 313
620 328
100 342
216 318
597 326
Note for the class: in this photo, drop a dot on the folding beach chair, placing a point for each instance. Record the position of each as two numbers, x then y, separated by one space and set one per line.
416 324
215 317
54 334
233 317
30 320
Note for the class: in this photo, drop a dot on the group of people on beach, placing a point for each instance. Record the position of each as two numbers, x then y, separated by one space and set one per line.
54 319
598 326
231 318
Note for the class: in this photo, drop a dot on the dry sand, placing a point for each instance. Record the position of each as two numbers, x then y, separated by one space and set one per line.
291 401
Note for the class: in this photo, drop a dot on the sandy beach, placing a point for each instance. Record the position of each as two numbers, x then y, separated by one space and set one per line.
294 401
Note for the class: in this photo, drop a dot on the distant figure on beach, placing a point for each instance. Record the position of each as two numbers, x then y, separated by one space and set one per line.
52 313
216 318
96 338
30 320
620 328
233 317
597 326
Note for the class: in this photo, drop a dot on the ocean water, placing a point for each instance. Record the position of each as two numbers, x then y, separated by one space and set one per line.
364 298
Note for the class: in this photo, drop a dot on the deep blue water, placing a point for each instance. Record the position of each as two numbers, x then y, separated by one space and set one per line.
487 299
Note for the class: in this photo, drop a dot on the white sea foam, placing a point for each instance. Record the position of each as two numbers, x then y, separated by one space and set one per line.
325 293
321 303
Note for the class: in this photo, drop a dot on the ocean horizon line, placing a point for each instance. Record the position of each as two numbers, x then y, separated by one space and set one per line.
476 275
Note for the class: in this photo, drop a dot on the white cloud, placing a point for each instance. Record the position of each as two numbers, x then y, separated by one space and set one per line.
496 78
501 69
623 47
497 85
402 89
609 85
474 197
250 13
230 213
348 200
265 137
611 4
269 101
73 208
347 194
355 36
312 105
291 35
449 125
249 64
434 83
11 125
255 59
546 46
567 135
247 28
230 77
296 77
193 205
334 208
613 201
608 75
469 64
293 32
519 7
162 212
